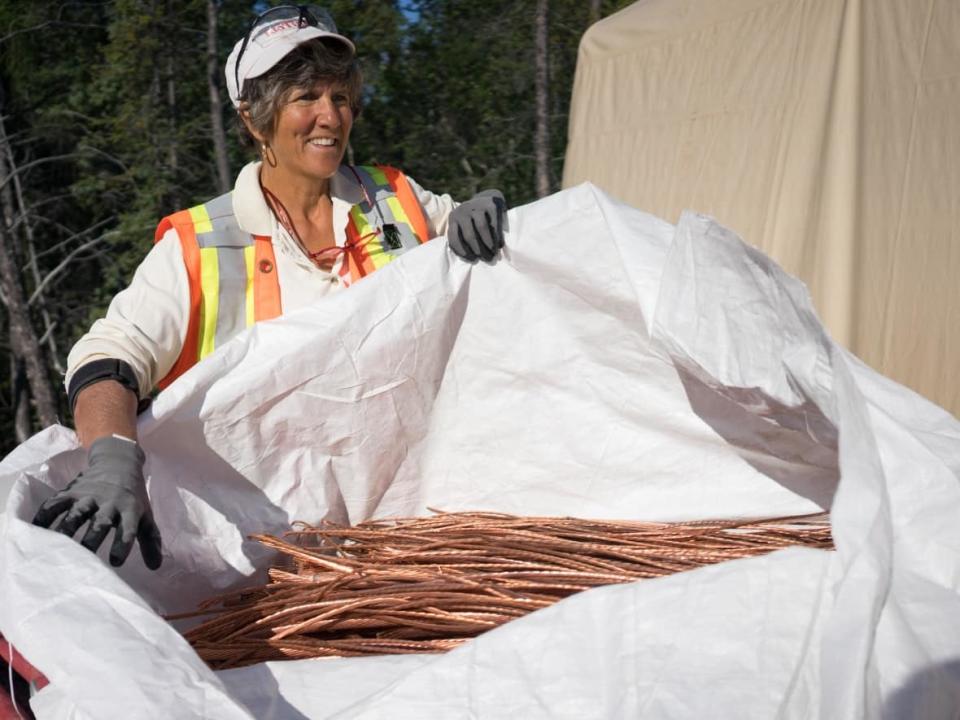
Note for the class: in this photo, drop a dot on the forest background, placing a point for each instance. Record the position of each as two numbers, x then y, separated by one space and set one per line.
115 113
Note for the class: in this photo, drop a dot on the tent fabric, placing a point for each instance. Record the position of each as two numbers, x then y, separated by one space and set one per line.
672 372
826 132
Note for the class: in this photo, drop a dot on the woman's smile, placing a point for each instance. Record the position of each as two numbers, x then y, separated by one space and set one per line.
312 130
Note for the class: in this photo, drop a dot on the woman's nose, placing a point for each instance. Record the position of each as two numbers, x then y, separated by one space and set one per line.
328 113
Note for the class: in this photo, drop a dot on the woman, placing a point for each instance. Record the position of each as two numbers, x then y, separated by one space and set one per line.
297 226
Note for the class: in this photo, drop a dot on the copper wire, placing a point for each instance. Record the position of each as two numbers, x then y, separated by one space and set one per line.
412 585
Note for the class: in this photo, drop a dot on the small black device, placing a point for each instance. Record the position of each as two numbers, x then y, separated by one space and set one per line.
391 236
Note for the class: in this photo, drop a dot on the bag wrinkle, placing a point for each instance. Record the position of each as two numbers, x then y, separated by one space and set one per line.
492 388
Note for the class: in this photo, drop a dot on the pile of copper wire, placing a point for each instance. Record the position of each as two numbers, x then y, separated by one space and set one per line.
430 584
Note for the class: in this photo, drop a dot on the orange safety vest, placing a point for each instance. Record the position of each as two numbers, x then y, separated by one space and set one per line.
385 224
232 274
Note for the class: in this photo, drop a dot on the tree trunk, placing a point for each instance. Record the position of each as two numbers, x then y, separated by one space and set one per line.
173 157
24 343
23 340
21 207
541 141
216 106
173 141
21 401
594 11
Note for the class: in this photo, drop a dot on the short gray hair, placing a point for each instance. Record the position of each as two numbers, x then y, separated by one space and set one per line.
264 96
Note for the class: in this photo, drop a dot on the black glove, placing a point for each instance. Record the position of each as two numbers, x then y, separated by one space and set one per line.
475 229
110 492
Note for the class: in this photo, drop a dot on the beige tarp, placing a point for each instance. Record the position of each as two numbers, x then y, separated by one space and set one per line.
826 132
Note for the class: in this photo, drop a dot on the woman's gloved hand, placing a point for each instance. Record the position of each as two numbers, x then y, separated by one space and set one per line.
111 492
475 228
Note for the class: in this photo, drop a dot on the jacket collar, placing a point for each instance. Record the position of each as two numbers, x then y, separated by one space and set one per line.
254 215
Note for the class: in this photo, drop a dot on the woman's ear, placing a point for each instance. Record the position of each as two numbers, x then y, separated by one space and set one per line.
244 113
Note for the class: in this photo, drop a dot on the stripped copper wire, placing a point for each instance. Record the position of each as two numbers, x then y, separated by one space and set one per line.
429 584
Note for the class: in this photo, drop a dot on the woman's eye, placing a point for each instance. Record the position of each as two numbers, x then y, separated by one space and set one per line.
341 98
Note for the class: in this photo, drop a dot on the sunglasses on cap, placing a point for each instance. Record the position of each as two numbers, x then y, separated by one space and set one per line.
304 15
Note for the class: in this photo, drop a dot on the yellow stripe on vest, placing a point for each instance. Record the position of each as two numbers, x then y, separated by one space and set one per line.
201 220
209 300
377 174
249 253
371 241
399 214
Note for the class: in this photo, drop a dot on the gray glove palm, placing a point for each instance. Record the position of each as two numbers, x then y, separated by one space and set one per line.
475 228
111 492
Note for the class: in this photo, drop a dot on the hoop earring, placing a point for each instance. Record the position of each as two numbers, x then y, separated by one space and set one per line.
269 156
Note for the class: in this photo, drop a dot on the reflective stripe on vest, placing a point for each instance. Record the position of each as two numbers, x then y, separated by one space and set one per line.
232 276
386 223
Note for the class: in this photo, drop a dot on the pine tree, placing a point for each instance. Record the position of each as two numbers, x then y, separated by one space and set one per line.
110 121
45 235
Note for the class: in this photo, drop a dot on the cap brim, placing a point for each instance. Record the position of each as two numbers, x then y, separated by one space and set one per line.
270 56
264 58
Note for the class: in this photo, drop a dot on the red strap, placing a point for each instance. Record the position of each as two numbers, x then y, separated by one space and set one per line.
20 664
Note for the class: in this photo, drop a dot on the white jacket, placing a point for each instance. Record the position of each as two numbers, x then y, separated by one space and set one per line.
146 324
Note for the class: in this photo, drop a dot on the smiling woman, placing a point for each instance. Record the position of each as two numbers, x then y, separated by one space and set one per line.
298 225
335 61
300 114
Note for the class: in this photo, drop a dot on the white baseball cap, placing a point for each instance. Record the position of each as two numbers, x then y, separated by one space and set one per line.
271 37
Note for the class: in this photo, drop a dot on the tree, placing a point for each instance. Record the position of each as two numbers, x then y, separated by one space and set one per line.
38 237
113 116
541 143
224 178
460 107
24 342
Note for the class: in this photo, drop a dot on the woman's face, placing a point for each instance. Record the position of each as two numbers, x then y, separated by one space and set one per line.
312 130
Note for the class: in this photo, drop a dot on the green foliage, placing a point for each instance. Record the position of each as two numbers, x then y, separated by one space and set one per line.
46 50
149 122
112 96
454 104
